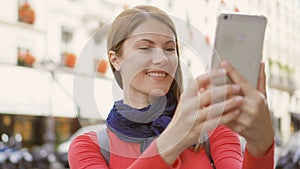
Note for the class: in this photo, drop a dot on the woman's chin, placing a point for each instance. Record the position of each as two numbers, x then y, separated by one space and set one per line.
158 92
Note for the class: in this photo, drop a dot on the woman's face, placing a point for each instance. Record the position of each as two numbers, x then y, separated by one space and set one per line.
149 60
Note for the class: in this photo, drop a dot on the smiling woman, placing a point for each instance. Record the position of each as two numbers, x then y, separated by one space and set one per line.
155 126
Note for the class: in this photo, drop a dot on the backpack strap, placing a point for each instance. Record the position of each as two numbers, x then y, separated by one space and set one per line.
103 140
206 147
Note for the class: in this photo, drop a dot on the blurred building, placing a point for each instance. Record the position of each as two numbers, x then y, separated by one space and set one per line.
41 41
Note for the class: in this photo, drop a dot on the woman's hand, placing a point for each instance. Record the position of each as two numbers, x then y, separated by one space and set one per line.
254 121
199 110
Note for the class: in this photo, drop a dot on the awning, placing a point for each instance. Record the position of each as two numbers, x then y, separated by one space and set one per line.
28 91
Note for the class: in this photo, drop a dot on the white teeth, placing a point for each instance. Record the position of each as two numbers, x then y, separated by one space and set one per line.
156 74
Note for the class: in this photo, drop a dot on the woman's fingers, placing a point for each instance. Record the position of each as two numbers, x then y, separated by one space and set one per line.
220 108
211 124
204 107
202 81
205 79
200 96
218 114
215 94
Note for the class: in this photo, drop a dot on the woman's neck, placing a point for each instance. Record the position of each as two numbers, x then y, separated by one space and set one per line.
138 100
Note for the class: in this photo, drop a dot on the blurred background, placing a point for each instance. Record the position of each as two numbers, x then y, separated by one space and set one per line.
41 40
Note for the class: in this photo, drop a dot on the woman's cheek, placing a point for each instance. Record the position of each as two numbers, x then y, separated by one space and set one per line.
173 61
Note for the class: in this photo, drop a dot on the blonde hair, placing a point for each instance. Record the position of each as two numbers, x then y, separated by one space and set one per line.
126 22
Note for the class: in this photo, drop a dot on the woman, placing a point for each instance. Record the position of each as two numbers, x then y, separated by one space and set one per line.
155 126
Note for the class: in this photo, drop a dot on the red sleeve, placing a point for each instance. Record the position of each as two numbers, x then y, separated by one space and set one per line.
226 149
265 162
226 152
84 153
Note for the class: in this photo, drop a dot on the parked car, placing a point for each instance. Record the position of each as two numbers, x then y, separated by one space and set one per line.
62 149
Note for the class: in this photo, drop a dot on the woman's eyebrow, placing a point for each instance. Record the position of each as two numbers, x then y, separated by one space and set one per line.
152 42
147 40
170 41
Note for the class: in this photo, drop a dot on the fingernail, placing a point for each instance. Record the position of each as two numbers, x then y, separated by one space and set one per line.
236 88
238 99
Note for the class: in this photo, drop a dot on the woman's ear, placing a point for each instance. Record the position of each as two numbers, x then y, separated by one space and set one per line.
114 60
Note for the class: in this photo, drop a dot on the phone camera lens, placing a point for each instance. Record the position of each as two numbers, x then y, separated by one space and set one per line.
225 17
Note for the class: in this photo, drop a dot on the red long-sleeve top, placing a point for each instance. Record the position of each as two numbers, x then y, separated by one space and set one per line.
84 153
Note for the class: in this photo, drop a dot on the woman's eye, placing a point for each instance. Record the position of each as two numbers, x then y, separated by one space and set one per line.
145 48
170 49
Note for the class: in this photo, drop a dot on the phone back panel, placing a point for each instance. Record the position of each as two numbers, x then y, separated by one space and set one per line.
239 39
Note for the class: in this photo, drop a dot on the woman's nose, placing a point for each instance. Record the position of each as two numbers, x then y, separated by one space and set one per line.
159 57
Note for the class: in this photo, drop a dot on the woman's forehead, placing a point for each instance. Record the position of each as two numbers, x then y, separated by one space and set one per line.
151 37
153 27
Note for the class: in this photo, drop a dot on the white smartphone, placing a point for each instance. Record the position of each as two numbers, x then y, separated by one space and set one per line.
239 39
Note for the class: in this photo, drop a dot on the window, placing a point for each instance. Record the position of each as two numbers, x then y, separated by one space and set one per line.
66 37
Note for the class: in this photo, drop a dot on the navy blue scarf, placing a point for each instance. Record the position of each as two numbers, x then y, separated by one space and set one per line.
141 125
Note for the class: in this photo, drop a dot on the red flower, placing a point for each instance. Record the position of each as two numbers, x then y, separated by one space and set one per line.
26 14
26 59
102 66
69 59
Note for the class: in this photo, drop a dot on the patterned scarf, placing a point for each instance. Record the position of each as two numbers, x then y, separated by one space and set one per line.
141 125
